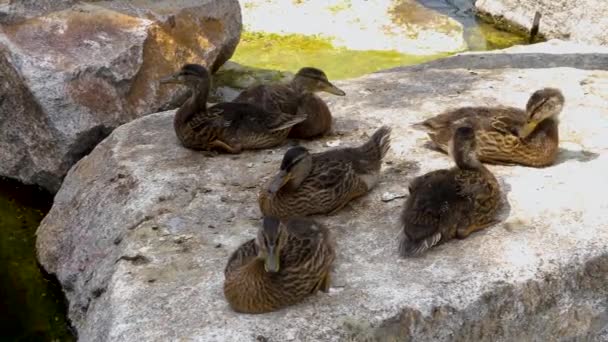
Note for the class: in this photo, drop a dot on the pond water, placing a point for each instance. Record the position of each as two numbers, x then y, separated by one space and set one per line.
32 306
288 51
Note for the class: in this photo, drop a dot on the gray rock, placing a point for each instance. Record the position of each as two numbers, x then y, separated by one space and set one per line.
581 21
69 77
142 228
13 11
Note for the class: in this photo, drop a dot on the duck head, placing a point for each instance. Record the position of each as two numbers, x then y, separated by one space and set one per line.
463 148
271 238
544 104
311 80
296 165
192 75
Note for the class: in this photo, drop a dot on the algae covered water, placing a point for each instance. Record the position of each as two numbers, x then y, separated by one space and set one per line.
289 51
32 306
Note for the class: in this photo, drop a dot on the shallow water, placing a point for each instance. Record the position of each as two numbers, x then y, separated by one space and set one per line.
291 51
32 306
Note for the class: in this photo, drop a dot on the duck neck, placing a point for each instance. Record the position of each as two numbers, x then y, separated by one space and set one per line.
547 128
298 84
467 160
299 174
196 104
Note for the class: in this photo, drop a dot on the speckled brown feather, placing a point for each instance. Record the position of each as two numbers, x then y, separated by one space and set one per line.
283 98
337 177
497 135
243 125
306 260
450 203
230 127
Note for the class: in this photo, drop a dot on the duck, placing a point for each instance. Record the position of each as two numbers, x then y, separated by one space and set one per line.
506 135
227 127
323 183
298 96
450 203
288 261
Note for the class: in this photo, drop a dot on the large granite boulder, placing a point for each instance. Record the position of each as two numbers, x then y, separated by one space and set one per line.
582 21
70 76
141 228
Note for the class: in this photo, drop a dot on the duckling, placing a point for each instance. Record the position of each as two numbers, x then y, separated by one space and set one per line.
288 261
230 127
297 97
506 135
444 204
325 182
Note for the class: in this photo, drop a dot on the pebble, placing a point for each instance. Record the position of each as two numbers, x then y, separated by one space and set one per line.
389 196
333 143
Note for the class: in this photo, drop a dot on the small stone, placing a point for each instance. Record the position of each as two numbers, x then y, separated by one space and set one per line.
250 165
389 196
333 143
181 239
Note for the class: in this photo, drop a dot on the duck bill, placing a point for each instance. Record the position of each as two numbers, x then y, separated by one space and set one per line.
332 89
527 129
169 79
278 181
271 263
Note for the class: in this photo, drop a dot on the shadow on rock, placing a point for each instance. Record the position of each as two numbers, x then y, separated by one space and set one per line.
583 156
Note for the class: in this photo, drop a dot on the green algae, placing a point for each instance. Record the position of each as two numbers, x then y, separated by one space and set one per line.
340 6
32 305
293 51
485 37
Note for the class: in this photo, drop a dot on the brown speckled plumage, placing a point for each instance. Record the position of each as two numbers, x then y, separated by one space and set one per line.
325 182
306 253
229 127
297 98
445 204
502 133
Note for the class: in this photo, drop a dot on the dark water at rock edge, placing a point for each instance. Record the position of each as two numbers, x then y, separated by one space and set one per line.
32 304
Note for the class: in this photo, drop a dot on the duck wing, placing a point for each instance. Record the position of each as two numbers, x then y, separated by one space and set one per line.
252 117
241 256
330 169
273 97
479 117
434 209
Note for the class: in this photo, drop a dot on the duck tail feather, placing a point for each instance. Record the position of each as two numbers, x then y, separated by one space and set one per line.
411 248
294 120
379 143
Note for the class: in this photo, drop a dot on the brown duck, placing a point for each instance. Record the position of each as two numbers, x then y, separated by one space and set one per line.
287 262
506 135
229 127
445 204
322 183
297 97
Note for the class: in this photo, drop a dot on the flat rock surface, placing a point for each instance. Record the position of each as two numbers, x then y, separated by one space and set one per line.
71 72
141 228
582 21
